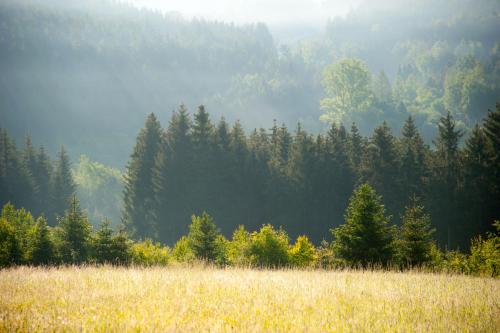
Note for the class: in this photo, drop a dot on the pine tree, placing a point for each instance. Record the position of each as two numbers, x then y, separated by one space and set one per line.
62 186
415 235
74 232
203 237
366 237
139 197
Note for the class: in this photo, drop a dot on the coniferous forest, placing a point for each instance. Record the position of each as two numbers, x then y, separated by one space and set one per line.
249 166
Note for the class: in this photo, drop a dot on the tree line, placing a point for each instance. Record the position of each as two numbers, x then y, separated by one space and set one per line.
302 181
365 240
29 179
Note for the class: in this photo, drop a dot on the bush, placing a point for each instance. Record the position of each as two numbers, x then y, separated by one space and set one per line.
484 258
147 253
182 252
269 247
303 253
238 249
10 252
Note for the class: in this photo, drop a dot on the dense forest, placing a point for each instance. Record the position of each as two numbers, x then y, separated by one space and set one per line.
299 181
89 63
303 182
407 105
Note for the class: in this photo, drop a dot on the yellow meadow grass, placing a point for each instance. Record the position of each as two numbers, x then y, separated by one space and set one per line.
197 299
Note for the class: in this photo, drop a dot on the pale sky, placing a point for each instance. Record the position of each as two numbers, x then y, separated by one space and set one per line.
274 13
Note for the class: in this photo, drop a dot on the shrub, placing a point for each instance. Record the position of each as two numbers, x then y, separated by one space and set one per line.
182 252
147 253
238 249
269 247
302 253
484 258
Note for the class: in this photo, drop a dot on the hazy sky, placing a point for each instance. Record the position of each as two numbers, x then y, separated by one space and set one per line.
275 13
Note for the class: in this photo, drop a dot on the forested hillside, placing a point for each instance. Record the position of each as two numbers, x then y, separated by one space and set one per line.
85 73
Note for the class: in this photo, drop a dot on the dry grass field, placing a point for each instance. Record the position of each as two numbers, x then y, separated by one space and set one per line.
108 299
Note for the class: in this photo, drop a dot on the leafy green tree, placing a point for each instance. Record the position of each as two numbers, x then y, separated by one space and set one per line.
203 237
239 247
366 237
10 251
269 247
148 253
182 251
302 253
74 235
138 194
347 85
382 88
62 186
42 249
415 237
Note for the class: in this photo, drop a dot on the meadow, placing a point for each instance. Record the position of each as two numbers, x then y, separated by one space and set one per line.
111 299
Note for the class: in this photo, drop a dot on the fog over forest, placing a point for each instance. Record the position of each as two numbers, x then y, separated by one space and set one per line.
85 73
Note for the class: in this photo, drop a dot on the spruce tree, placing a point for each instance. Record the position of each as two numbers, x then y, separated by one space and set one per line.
42 175
413 160
139 197
381 167
415 235
62 186
74 233
172 173
446 178
203 237
366 237
42 251
478 185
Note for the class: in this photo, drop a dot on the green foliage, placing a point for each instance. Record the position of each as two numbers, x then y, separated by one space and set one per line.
138 196
302 253
414 241
42 250
203 237
10 252
99 189
347 85
484 256
269 247
148 253
109 247
62 185
74 235
238 251
366 237
182 252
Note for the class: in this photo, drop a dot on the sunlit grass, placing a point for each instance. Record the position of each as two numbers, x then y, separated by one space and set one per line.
206 299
